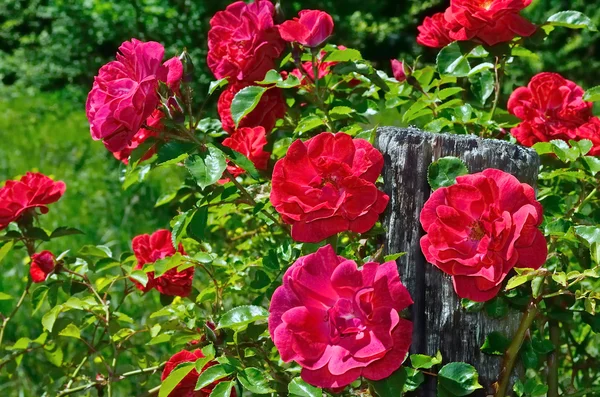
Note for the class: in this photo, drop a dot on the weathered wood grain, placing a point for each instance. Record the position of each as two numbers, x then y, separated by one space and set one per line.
440 322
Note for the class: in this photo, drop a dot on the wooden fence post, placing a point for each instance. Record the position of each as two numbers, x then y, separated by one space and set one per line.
440 323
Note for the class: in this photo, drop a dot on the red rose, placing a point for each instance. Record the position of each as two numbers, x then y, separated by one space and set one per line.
42 264
398 70
270 108
249 142
34 190
488 21
480 228
339 322
243 41
434 32
311 29
154 122
326 185
149 249
552 107
124 92
185 388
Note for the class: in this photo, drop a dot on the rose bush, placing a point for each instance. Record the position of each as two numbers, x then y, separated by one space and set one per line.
340 322
243 205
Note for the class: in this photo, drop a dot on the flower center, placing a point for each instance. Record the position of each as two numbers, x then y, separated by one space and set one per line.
477 231
343 321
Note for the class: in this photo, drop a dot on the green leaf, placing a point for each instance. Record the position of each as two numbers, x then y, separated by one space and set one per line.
173 379
255 381
50 317
240 160
213 374
272 77
572 20
443 173
245 101
179 225
71 331
174 152
482 85
197 225
99 251
460 379
414 379
65 231
6 249
239 317
423 361
222 389
496 308
471 306
391 386
346 55
207 167
215 85
38 296
495 344
298 387
452 62
309 123
5 297
139 276
592 95
393 257
53 353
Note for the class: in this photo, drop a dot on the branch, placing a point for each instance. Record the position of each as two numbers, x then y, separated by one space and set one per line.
512 353
553 360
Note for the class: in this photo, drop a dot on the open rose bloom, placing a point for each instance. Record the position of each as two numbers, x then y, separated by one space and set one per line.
482 227
34 190
552 107
124 93
150 248
340 322
488 22
326 185
243 42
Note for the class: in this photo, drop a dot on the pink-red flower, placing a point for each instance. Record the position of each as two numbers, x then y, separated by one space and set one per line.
552 107
150 248
312 29
340 322
250 142
153 126
42 264
243 41
270 108
34 190
488 21
185 388
399 70
434 32
124 92
326 185
482 227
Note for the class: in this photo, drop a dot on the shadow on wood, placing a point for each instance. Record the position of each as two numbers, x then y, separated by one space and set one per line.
440 323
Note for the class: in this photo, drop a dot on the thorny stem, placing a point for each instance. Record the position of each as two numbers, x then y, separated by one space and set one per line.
251 200
510 356
553 360
498 74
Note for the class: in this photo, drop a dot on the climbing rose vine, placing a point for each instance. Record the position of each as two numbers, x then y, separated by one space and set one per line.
268 269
